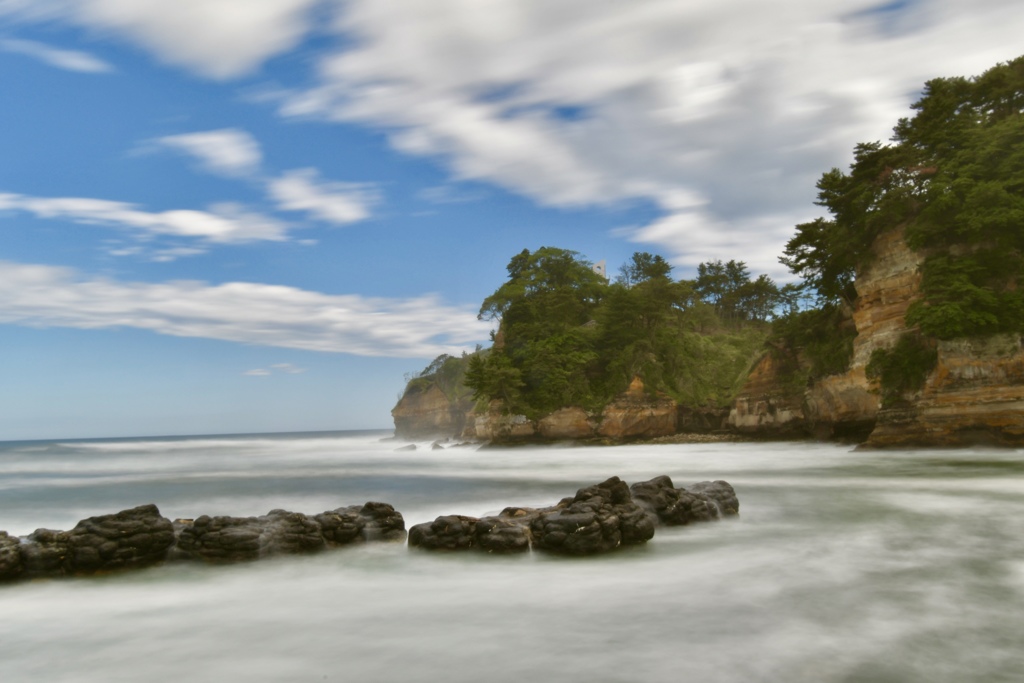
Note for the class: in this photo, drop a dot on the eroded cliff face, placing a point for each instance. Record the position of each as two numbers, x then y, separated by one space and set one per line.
974 395
634 414
425 412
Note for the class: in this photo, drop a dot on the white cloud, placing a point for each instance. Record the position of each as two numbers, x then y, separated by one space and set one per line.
288 368
219 39
334 202
228 151
70 60
258 372
740 104
223 223
245 312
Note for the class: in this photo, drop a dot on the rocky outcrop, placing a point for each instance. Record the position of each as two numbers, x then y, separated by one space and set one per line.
844 405
634 414
142 537
425 412
974 396
678 506
598 519
638 415
567 423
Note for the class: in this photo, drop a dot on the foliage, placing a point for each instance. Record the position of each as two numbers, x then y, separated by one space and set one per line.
953 177
823 335
903 368
566 337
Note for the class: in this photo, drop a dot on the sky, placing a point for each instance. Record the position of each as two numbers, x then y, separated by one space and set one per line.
226 216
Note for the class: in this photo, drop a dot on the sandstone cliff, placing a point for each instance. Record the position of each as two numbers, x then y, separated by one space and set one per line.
424 412
974 394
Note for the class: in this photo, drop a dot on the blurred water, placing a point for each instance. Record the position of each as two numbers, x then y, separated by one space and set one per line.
844 566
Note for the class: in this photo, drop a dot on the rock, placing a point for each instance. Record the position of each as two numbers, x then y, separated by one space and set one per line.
500 426
600 518
637 415
721 493
407 447
11 565
128 539
566 423
448 532
673 506
222 539
382 522
290 533
502 535
43 553
341 526
424 412
458 532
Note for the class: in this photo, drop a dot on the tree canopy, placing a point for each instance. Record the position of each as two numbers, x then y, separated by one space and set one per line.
952 177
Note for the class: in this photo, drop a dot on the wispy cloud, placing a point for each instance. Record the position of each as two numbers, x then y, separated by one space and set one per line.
244 312
218 39
228 151
333 202
740 103
69 60
286 368
222 223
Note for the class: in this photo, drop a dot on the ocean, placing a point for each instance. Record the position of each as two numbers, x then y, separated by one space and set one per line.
843 566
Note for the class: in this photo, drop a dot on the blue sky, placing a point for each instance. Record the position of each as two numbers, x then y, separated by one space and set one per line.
256 215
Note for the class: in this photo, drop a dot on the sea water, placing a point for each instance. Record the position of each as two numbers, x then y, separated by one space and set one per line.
844 565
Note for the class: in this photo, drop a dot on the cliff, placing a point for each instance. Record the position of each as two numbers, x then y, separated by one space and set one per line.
974 394
424 411
634 414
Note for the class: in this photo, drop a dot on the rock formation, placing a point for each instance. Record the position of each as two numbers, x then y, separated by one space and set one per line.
598 519
634 414
142 537
975 394
425 412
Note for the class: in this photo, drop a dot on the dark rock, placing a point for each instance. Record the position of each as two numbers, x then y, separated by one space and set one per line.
448 532
341 526
502 535
720 492
11 565
701 502
382 522
599 519
673 506
43 553
221 539
131 538
290 533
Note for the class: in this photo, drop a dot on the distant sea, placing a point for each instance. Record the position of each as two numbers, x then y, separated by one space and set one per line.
843 567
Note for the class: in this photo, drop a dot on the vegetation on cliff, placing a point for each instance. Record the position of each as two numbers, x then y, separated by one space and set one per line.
952 179
567 337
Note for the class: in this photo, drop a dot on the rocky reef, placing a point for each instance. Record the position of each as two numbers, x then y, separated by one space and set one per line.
142 537
598 519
